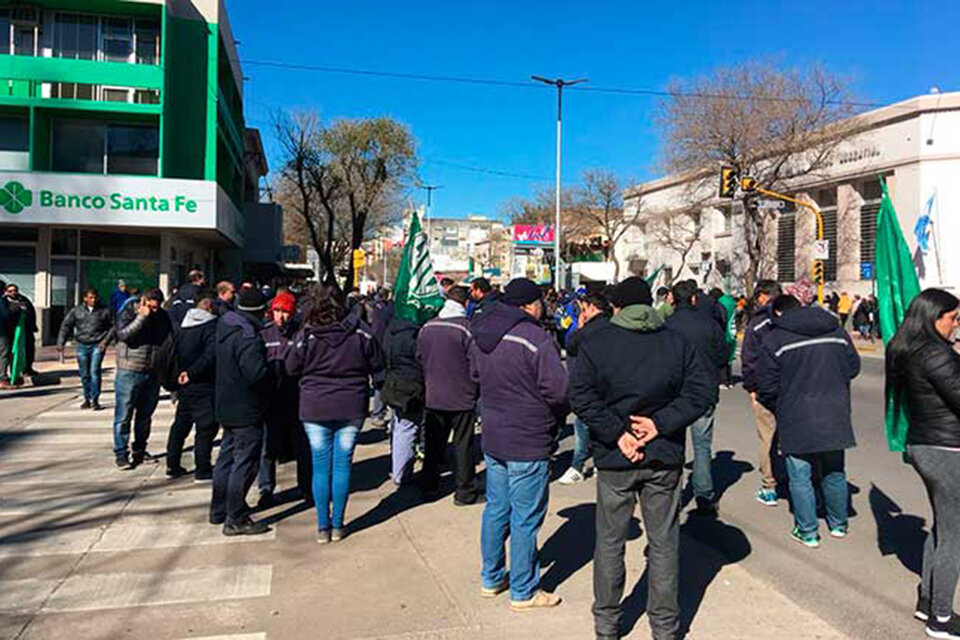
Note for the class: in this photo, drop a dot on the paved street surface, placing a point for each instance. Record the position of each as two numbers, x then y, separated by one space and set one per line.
87 551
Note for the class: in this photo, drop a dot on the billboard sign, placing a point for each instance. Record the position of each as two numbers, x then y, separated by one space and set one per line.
533 234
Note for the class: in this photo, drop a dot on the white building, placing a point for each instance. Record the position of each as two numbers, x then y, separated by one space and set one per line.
914 144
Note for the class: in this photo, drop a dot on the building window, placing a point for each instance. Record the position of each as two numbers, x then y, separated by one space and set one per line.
93 147
148 41
871 192
88 37
24 40
830 234
75 37
117 38
4 31
146 96
72 91
14 144
115 95
786 248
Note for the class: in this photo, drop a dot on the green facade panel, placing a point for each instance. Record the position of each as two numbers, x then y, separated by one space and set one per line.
35 69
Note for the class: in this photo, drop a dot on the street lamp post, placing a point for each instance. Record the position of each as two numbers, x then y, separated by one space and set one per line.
430 188
559 83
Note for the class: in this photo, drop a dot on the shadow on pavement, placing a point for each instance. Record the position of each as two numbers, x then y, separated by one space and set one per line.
897 532
727 472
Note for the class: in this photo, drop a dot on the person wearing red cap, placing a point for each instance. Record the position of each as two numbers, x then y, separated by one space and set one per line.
284 437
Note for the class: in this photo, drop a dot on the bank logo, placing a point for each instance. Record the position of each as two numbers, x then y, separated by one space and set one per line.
14 197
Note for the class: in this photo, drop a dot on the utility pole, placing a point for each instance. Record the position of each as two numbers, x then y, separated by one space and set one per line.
430 188
559 83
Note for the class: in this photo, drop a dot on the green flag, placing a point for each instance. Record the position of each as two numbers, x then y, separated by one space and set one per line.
417 293
19 349
897 285
653 276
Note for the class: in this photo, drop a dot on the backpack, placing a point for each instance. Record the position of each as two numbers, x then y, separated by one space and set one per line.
165 363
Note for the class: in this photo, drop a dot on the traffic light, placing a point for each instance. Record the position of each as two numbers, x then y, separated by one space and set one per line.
818 272
748 184
728 181
359 259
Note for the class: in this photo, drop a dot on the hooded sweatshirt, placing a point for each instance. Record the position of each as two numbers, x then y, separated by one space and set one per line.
635 366
334 364
805 365
523 385
197 352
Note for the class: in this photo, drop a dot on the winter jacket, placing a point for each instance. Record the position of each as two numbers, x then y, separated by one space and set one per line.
804 368
283 416
244 381
334 364
23 303
139 337
443 348
88 326
117 298
931 382
706 336
185 300
523 385
760 324
635 366
403 387
197 352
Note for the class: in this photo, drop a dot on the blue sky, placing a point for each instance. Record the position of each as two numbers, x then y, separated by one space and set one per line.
890 50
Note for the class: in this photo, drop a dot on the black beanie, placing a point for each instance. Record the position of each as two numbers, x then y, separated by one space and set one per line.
251 301
519 292
631 291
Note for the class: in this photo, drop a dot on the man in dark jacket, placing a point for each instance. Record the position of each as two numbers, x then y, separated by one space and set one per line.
196 344
186 298
141 328
451 397
697 324
805 367
226 295
403 391
523 394
381 315
638 386
243 387
760 324
15 299
89 323
482 296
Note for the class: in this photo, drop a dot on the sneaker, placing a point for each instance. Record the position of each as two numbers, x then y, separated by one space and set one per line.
767 497
96 406
809 540
203 478
948 630
571 476
337 535
494 591
323 536
245 527
86 404
706 508
123 462
838 532
922 611
176 472
136 460
540 600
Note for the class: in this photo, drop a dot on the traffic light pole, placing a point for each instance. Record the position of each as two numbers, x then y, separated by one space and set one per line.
816 212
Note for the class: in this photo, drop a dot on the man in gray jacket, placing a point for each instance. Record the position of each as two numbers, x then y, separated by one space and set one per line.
142 327
90 325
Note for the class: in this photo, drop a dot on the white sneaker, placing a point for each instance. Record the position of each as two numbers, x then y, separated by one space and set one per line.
571 476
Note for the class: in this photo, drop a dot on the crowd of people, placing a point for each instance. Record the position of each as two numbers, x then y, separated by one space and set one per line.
294 378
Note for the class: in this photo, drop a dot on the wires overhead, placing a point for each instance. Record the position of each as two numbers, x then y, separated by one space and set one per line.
494 172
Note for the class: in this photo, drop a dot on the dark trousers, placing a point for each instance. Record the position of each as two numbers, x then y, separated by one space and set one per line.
439 425
193 410
659 494
235 471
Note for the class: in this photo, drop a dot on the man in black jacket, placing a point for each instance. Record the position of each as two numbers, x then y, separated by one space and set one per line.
196 343
90 325
243 386
806 363
638 386
17 300
760 324
186 297
404 392
697 324
8 322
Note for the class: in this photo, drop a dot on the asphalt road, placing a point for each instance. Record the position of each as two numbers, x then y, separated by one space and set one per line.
863 585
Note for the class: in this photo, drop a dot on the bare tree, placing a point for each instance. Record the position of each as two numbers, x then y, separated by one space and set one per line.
598 204
679 232
772 124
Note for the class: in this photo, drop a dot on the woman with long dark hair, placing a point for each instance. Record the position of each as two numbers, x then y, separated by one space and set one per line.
335 355
923 376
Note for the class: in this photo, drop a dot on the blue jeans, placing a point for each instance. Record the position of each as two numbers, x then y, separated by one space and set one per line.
701 433
89 357
517 495
581 444
137 392
802 494
331 444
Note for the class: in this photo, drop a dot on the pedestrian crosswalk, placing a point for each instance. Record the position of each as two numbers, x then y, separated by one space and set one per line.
63 500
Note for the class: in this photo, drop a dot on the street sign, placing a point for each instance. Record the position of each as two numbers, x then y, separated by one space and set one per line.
821 249
767 203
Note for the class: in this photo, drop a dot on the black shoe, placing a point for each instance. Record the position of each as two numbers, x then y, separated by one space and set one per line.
949 630
176 472
480 499
245 527
201 478
123 462
96 406
86 404
706 508
135 460
266 500
922 612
